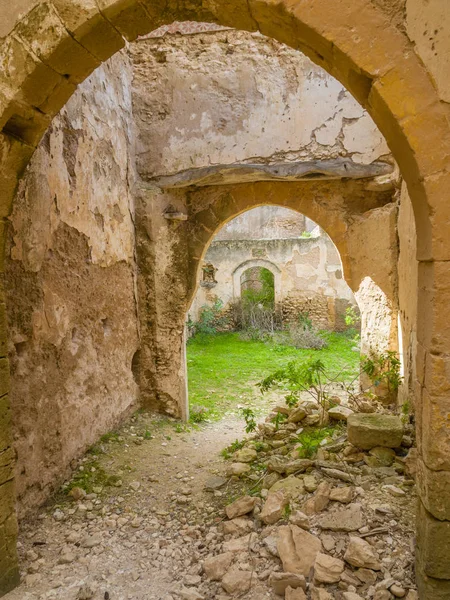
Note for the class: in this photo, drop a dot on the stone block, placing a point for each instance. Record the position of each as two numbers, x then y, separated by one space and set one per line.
43 32
85 22
433 544
7 501
433 330
430 588
5 423
368 431
435 441
129 17
434 490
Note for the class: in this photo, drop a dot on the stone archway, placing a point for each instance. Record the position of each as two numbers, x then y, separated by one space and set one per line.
52 47
263 264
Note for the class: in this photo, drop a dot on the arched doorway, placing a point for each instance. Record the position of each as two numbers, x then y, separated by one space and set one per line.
377 64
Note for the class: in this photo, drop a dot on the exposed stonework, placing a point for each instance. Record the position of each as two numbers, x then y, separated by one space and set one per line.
70 285
307 271
58 44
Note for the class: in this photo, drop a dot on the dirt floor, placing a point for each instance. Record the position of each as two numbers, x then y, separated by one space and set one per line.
149 522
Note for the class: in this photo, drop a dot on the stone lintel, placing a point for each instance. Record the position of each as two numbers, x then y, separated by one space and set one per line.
338 168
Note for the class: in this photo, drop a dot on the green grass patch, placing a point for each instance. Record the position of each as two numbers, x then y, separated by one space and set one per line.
223 369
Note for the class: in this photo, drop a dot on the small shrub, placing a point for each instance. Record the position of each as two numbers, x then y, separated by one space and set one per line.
279 418
249 418
384 368
198 414
211 320
300 336
311 441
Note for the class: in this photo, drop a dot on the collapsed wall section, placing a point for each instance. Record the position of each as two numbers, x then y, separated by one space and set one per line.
70 281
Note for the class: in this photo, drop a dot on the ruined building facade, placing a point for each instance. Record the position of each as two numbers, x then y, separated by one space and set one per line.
154 151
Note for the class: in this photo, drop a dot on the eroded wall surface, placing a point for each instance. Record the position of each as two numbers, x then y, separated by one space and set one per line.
229 97
70 281
308 270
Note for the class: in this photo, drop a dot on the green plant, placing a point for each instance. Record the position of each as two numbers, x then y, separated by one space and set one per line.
384 368
279 418
352 317
211 319
310 441
249 418
305 376
306 234
198 414
304 320
259 446
406 410
147 435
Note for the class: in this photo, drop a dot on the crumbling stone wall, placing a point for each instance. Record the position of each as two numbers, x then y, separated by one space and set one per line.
47 48
308 271
70 284
228 97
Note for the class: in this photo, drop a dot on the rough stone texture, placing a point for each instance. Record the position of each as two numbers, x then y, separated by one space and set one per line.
377 63
368 431
283 105
297 549
347 519
307 271
360 553
70 285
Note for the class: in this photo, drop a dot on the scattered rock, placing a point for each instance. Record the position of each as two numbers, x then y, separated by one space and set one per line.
295 594
310 483
360 553
327 569
385 456
215 567
340 413
320 594
77 493
338 474
297 415
297 549
215 482
190 594
237 526
241 506
238 469
236 581
274 507
368 431
347 519
291 486
351 596
300 519
397 591
342 494
245 455
281 581
394 490
320 500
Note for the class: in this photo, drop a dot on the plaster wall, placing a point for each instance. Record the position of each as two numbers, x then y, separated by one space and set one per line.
70 280
227 97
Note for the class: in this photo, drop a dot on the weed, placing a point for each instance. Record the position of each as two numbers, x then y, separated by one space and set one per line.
147 435
249 418
198 414
287 512
311 440
279 418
